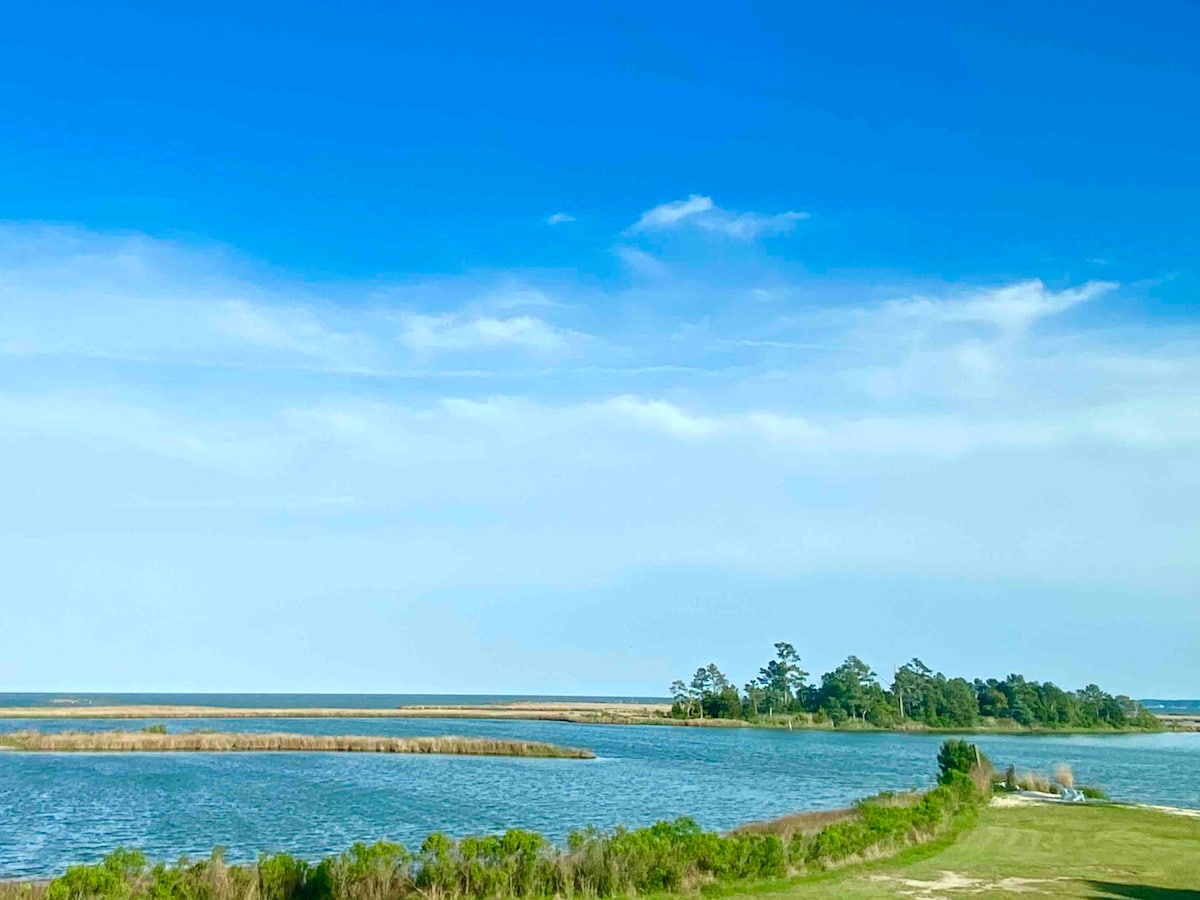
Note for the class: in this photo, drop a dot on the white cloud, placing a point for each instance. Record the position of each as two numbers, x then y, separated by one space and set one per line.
516 296
1011 307
297 331
454 332
700 212
560 218
641 262
747 226
668 214
1161 425
693 428
661 416
68 293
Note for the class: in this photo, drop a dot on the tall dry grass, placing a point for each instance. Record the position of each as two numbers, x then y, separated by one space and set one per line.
1064 776
227 742
799 823
13 890
1032 781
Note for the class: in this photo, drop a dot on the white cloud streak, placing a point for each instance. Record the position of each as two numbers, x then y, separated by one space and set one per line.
453 332
701 213
1011 307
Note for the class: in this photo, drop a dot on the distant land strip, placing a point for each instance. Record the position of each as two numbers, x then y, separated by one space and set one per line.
227 742
582 711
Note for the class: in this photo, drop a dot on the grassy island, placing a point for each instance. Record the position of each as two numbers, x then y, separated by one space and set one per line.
155 740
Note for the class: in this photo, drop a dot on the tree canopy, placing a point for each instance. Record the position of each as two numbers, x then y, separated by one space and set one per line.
853 693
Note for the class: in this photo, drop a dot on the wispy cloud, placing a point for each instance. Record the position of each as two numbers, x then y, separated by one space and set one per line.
641 262
666 215
560 218
1136 426
296 331
1012 307
700 212
695 427
141 301
455 332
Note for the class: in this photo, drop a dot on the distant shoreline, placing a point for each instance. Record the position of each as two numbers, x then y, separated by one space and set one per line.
584 712
579 712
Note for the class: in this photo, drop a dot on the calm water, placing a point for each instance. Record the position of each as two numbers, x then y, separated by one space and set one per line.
62 808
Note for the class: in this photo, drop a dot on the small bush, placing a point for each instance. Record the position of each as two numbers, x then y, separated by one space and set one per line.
959 756
1093 793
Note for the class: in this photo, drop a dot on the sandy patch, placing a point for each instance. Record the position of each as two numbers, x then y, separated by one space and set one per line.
1172 810
948 883
1024 799
1030 799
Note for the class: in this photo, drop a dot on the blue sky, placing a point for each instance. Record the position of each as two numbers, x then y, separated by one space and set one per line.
562 350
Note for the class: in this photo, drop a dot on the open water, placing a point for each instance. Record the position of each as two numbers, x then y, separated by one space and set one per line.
57 809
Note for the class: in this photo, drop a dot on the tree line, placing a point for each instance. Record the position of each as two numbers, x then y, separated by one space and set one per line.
853 693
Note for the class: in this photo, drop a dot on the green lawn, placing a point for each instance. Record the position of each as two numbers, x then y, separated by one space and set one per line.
1034 852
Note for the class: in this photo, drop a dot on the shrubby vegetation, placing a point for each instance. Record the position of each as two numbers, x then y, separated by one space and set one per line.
852 694
669 856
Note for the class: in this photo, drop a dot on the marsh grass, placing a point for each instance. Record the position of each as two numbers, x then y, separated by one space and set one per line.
26 890
229 742
810 823
1032 781
1064 775
799 823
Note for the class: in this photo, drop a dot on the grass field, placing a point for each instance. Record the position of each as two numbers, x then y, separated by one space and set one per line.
1030 851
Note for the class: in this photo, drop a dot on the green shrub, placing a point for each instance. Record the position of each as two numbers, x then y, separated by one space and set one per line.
282 877
109 878
958 756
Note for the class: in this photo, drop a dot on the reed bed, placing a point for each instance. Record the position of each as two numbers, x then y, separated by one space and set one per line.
229 742
799 823
1032 781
